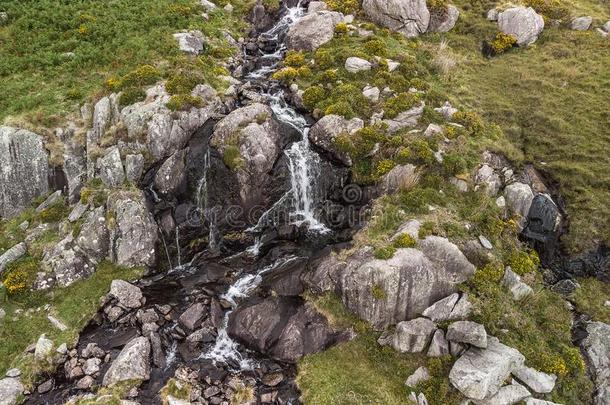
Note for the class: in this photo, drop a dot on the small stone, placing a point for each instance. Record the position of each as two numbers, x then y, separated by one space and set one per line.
211 391
43 348
57 323
62 349
191 42
354 64
372 93
92 366
85 383
485 242
13 373
433 129
501 202
581 23
565 287
228 8
513 282
45 386
421 374
273 379
446 110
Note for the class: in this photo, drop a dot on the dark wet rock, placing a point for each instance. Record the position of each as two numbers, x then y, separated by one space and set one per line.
283 328
25 169
285 279
133 363
193 316
543 223
565 287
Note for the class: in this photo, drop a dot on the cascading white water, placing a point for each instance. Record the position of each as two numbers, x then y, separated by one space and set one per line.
203 201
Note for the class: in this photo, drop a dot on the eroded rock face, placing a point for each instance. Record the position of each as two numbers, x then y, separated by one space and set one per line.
313 30
63 264
283 328
522 23
25 169
324 132
480 373
110 168
409 17
134 234
133 363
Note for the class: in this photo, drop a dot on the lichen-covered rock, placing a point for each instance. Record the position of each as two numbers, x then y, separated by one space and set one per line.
94 236
401 177
105 114
439 346
133 363
190 42
25 169
420 375
509 394
43 349
519 197
313 30
10 390
487 177
133 233
110 168
171 176
443 21
405 119
63 264
128 295
409 17
449 308
324 132
537 380
522 23
134 167
581 23
480 373
518 288
354 64
12 254
596 349
75 162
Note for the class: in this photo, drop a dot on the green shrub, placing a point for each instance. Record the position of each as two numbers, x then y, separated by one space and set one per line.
344 6
403 155
470 120
232 157
426 229
502 43
131 95
422 152
313 95
376 47
19 275
182 102
402 102
342 108
522 262
304 72
54 213
383 166
404 240
286 75
182 82
491 273
384 253
341 28
294 59
550 9
329 76
142 76
323 59
454 163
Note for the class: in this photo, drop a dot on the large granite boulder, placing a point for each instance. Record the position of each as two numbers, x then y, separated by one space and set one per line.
133 363
133 234
284 328
409 17
313 30
324 132
411 336
127 295
25 169
94 236
522 23
479 373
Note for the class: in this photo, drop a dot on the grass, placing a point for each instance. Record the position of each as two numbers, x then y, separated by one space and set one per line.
551 101
54 55
363 372
591 297
74 306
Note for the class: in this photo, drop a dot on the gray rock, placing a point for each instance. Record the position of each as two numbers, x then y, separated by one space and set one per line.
44 348
418 399
535 401
518 288
372 93
507 395
92 366
448 256
449 308
538 381
51 200
158 355
433 129
468 332
13 373
492 14
324 132
522 23
313 30
110 168
581 23
105 114
94 236
57 323
93 350
401 177
190 42
446 110
75 161
487 177
596 350
134 235
134 167
420 375
409 17
128 295
354 64
192 317
316 6
606 27
78 211
25 169
519 197
12 254
480 373
406 119
456 349
85 383
444 21
171 176
10 390
411 336
439 345
565 287
133 363
3 18
64 263
384 292
411 228
2 314
208 5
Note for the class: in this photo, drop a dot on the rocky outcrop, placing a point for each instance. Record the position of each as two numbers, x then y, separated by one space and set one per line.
467 332
538 381
171 176
405 119
313 30
63 264
479 373
596 350
25 169
522 23
324 132
12 254
133 234
282 328
94 236
444 20
127 295
410 17
74 166
449 308
133 363
110 168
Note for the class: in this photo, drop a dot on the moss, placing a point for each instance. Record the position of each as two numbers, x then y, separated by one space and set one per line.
384 253
522 262
378 292
304 72
376 47
454 164
383 167
182 102
422 153
54 213
426 229
131 95
341 28
404 240
175 389
232 157
342 108
470 120
323 58
550 9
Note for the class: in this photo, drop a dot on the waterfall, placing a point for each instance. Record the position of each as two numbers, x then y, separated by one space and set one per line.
203 201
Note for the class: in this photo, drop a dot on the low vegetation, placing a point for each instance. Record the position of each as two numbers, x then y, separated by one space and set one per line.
592 298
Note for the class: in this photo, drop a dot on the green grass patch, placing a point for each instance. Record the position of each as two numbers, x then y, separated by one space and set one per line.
591 298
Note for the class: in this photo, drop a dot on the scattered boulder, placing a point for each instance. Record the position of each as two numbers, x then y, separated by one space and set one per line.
190 42
25 169
324 132
410 17
468 332
372 93
44 349
433 129
133 363
192 317
449 308
522 23
401 177
128 295
12 254
411 336
420 375
354 64
411 228
487 177
509 394
443 21
518 288
538 381
405 119
543 220
581 23
313 30
480 373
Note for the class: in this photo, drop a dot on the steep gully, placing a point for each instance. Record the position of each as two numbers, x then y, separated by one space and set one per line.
314 206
